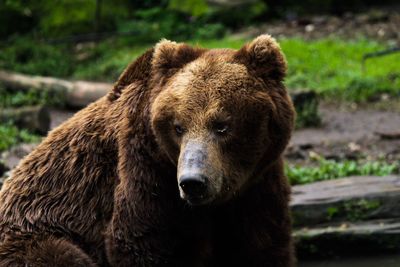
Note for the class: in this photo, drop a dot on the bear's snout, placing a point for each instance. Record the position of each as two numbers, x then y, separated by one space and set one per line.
197 177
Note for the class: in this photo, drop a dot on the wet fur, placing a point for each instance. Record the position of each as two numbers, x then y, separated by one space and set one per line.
101 189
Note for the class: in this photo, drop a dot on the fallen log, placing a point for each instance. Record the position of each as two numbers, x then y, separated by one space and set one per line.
76 94
34 118
348 239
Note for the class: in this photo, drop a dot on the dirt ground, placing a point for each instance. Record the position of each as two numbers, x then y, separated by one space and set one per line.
381 24
349 132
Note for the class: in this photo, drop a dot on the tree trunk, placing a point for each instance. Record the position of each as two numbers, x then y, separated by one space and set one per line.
97 16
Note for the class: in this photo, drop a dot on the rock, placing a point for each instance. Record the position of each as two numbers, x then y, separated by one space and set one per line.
349 239
295 153
12 157
388 135
33 118
375 16
347 199
354 215
58 116
302 97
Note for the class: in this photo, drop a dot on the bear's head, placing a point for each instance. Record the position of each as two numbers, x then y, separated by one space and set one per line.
221 116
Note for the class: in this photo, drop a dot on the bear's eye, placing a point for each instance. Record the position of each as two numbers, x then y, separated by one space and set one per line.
221 128
179 129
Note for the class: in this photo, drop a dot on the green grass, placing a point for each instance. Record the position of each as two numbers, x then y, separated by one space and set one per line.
11 135
329 169
29 98
107 64
330 66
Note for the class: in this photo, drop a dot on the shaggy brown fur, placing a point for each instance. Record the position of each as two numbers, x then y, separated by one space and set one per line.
102 190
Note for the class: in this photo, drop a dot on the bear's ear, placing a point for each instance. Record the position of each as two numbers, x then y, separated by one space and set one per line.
138 70
264 58
170 56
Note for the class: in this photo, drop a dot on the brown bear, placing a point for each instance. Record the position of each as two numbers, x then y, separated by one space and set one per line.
179 165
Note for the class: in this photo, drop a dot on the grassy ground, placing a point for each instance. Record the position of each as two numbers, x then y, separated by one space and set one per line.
11 135
29 98
329 169
331 67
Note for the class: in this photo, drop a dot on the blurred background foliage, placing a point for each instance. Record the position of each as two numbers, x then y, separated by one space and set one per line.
96 39
171 18
153 18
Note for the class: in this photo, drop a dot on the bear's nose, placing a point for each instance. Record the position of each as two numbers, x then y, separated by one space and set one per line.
194 186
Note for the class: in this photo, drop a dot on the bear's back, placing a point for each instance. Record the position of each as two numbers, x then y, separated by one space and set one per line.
65 186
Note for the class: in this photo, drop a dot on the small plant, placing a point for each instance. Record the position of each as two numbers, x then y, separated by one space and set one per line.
29 98
308 115
332 212
11 135
358 209
329 169
306 104
353 210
